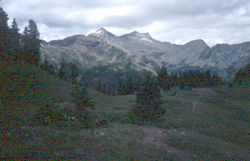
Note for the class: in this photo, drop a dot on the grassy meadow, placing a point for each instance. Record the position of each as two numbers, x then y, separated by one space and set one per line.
199 124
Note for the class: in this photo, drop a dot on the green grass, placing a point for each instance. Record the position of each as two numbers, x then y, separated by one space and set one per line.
121 142
205 147
32 85
116 107
215 129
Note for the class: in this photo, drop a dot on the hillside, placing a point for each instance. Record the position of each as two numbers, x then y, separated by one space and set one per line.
200 124
29 84
128 97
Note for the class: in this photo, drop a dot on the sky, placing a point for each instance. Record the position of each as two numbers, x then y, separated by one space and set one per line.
174 21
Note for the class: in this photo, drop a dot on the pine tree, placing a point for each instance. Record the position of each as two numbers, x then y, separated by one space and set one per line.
61 73
104 88
83 103
242 76
51 70
163 79
81 98
47 67
14 40
15 36
109 91
148 101
120 90
62 70
215 80
74 74
25 45
31 43
130 86
4 31
99 85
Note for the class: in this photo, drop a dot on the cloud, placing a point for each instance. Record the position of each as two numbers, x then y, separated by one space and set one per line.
167 20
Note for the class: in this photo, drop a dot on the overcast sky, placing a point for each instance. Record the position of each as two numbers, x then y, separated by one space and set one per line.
175 21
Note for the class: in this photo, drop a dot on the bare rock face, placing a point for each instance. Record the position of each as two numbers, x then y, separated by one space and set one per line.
140 52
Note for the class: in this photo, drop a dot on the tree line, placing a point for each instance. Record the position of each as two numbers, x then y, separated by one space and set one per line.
184 80
242 76
187 79
16 47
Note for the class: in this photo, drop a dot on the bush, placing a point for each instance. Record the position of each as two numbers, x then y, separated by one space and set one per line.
47 115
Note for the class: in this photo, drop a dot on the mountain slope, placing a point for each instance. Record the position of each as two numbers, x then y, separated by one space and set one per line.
140 52
223 59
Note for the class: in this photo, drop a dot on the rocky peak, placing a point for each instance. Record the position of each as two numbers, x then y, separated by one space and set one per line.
198 45
101 32
198 42
68 41
139 36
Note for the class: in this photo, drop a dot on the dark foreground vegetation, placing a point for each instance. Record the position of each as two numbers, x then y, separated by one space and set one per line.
44 115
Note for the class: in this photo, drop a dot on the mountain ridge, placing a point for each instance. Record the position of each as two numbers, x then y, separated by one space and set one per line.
138 49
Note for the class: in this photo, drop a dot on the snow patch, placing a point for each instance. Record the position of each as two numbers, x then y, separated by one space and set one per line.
114 59
146 39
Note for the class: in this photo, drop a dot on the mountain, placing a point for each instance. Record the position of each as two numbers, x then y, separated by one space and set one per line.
94 57
223 59
139 53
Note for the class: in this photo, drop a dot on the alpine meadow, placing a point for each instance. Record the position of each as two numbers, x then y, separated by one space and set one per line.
123 96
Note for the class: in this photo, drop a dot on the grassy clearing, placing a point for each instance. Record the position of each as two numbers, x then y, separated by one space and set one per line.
118 142
214 122
217 127
205 147
112 107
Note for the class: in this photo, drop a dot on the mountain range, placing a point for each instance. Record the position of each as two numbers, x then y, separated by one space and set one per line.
103 52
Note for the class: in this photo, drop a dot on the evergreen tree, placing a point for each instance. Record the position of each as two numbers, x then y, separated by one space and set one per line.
51 70
83 103
99 85
31 43
4 30
14 41
109 91
47 67
25 45
130 86
182 80
61 73
62 70
242 76
74 74
15 36
215 80
104 88
148 101
120 90
163 79
137 85
81 98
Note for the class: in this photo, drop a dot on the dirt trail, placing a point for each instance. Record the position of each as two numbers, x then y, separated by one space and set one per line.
155 136
194 106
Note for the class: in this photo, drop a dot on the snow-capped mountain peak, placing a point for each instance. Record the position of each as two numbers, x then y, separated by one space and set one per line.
139 36
102 45
102 35
101 32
